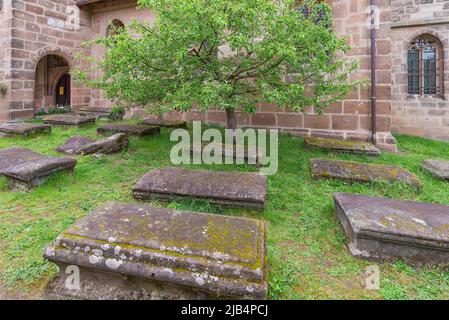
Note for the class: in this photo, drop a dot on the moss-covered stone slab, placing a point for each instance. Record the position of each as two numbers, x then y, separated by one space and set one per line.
237 154
386 229
129 129
26 169
438 168
356 147
227 188
127 251
68 120
361 172
22 129
85 145
164 123
103 113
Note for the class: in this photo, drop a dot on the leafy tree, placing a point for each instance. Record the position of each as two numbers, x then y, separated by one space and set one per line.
226 54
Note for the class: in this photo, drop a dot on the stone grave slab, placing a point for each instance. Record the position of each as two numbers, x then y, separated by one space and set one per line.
361 172
164 123
127 251
84 145
23 129
26 169
103 113
130 129
356 147
227 188
246 155
68 120
386 229
438 168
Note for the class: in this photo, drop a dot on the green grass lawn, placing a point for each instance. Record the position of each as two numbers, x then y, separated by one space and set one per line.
307 254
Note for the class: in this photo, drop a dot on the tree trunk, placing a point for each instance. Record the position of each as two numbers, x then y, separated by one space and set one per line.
231 119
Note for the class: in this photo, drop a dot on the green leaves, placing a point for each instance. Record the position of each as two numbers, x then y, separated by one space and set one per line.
226 54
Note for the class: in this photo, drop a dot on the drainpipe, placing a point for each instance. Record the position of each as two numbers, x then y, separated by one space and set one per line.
373 73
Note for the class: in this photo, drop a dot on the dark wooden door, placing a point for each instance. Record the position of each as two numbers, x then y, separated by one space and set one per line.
63 91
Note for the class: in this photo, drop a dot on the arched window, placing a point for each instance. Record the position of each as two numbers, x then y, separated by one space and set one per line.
114 27
424 66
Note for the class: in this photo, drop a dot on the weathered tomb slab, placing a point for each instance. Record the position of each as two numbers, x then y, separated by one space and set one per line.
68 120
128 251
438 168
23 129
130 129
238 154
164 123
386 229
227 188
103 113
357 147
26 169
361 172
85 145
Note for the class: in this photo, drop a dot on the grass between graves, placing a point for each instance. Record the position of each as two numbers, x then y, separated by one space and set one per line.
307 254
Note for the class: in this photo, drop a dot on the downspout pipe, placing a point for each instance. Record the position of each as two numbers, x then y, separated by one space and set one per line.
373 72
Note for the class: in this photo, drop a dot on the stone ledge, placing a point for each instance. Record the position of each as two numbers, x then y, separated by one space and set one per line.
164 123
356 147
23 129
387 230
130 129
84 145
216 255
68 120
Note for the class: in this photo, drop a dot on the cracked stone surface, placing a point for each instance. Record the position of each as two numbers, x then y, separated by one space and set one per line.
227 188
438 168
164 123
386 229
130 129
342 146
23 129
84 145
361 172
217 255
26 169
246 155
68 120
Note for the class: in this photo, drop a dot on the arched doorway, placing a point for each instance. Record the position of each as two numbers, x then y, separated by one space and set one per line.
53 83
62 90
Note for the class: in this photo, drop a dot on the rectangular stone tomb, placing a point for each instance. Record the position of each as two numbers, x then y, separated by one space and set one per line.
126 251
386 229
164 123
23 129
103 113
85 145
130 129
26 169
361 172
227 188
438 168
69 120
356 147
237 154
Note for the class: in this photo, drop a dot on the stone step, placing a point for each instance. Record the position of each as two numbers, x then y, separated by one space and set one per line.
26 169
386 229
22 129
164 123
103 113
130 129
361 172
131 251
356 147
227 188
68 120
85 145
438 168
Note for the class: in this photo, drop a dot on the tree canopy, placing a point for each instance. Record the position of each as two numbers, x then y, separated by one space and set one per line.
225 54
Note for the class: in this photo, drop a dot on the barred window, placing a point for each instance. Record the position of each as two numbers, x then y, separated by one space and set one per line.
424 68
